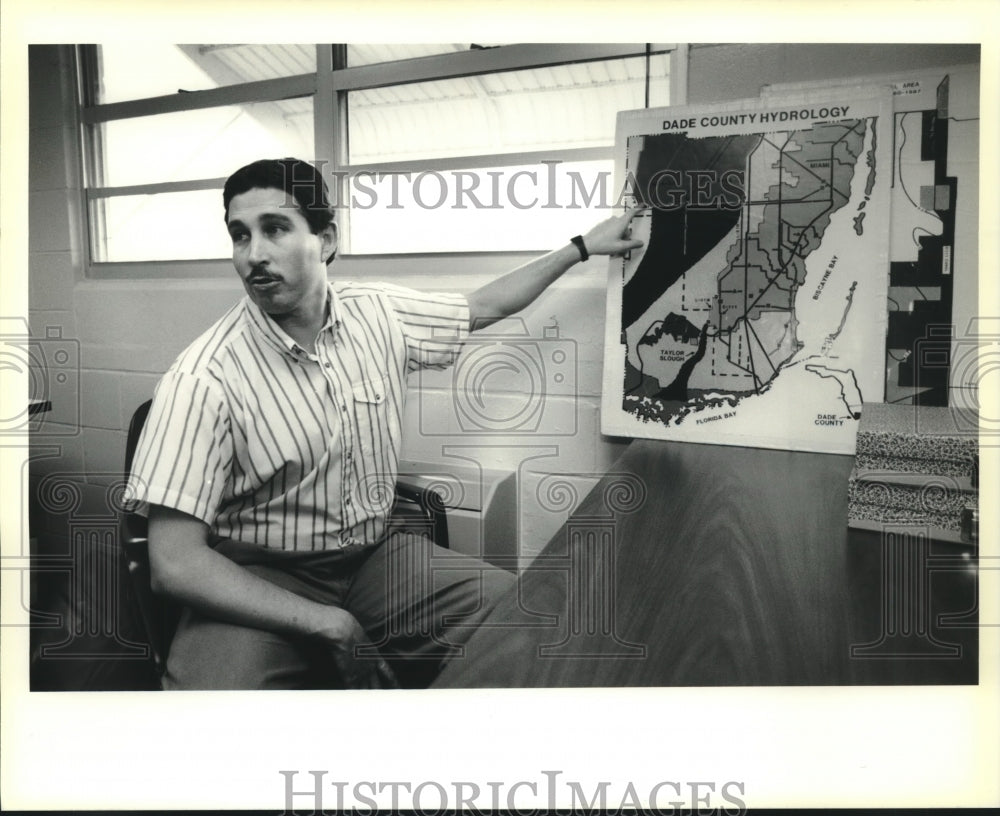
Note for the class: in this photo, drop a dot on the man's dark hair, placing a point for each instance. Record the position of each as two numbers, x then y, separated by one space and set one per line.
298 178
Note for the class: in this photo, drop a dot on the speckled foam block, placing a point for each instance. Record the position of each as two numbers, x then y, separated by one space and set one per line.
912 464
875 517
940 496
880 513
901 437
914 467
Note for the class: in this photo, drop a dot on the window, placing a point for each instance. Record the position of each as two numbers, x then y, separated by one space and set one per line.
428 148
127 71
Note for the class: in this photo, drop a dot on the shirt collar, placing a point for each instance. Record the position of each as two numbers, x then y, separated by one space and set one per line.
276 336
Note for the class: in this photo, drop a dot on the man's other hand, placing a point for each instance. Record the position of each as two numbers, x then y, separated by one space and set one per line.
611 237
340 639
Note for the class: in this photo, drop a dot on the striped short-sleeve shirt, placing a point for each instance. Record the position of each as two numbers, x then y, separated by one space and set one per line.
285 449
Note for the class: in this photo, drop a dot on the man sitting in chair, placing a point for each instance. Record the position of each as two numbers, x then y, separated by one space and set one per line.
269 455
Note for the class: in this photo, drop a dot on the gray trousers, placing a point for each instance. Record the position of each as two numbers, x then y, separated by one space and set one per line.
418 603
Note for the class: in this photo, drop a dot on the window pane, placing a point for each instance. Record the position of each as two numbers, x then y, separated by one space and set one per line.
207 143
139 70
371 53
168 226
533 207
556 107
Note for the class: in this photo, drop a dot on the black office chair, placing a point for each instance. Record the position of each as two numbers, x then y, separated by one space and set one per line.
416 508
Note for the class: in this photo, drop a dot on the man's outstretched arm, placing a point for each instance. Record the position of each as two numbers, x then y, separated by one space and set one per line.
515 290
186 569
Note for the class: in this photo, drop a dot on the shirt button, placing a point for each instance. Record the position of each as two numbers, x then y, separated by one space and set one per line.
327 365
347 501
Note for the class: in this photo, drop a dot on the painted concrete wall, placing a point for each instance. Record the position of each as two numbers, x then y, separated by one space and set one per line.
723 72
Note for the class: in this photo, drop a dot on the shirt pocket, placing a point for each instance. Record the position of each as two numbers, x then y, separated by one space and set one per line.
371 392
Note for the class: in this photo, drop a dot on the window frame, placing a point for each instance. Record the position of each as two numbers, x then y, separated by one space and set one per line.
329 87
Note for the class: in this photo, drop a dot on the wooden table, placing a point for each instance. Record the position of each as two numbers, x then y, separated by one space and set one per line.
703 565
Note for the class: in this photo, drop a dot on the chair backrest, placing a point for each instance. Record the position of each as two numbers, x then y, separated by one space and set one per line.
134 430
158 616
137 524
428 505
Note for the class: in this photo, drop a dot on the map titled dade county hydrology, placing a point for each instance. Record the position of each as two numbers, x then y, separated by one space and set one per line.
755 313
